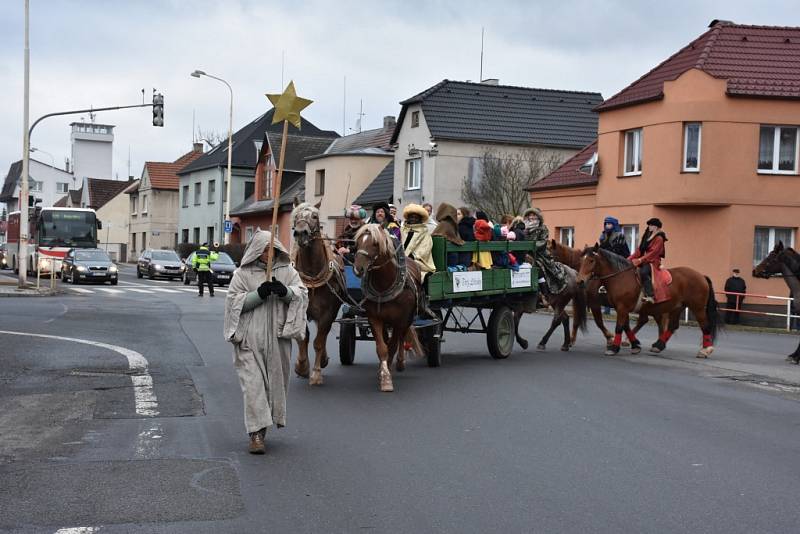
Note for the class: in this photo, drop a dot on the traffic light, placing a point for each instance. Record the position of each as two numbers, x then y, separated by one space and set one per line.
158 109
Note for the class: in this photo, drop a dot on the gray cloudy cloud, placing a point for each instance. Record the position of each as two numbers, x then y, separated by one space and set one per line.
98 53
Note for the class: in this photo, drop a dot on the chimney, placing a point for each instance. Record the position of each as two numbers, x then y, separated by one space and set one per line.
389 122
491 81
197 147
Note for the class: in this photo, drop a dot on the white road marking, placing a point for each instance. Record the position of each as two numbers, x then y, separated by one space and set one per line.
110 290
81 290
138 290
59 315
164 290
144 396
78 530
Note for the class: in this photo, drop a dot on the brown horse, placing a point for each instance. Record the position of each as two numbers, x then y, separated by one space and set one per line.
391 298
571 293
572 258
688 289
784 261
321 272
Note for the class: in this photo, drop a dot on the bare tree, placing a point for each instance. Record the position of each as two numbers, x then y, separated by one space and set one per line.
211 137
499 187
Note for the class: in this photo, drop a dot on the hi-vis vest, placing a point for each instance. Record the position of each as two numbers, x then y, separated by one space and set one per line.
203 259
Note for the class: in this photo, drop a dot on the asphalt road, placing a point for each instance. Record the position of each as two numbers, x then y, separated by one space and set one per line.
540 442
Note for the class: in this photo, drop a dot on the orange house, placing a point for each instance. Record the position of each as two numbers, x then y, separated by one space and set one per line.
707 141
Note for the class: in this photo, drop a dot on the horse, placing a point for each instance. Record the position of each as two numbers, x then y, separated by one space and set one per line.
321 272
784 261
689 289
392 290
558 302
572 258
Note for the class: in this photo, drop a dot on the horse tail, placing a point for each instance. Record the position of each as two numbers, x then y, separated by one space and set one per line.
579 307
416 345
712 311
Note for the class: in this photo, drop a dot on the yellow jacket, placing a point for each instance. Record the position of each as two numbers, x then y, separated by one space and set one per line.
420 246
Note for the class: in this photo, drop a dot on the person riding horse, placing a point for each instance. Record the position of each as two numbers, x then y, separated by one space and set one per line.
355 220
613 239
647 258
553 278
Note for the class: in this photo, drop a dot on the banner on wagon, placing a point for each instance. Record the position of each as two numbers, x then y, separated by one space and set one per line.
467 281
521 278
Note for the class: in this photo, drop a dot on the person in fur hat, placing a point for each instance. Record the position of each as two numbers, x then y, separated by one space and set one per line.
355 220
447 228
553 277
417 242
382 215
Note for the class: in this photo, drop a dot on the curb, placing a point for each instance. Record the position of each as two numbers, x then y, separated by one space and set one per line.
30 292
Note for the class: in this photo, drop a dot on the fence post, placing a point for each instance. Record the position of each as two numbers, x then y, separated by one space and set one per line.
686 315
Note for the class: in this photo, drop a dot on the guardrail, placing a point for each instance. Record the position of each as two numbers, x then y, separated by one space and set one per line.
788 300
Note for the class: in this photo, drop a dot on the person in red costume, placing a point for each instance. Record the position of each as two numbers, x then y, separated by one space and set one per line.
648 256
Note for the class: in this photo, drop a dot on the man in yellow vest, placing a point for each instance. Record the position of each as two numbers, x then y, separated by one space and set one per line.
201 263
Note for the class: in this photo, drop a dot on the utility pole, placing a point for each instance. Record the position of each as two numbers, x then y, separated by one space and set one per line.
26 141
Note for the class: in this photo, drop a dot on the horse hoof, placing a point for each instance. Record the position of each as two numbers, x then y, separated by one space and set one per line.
301 370
324 363
655 350
540 347
636 350
612 351
400 366
565 348
523 343
625 344
316 379
387 387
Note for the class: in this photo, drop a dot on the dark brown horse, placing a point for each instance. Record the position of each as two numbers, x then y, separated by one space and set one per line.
559 302
321 272
784 261
572 257
689 289
391 298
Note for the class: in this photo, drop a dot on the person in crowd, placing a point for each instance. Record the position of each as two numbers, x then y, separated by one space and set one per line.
734 284
393 213
417 242
262 317
613 239
201 263
381 215
431 224
483 230
355 220
466 224
447 227
553 277
647 258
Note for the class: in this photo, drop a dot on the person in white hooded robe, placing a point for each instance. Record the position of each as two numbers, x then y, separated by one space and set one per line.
261 319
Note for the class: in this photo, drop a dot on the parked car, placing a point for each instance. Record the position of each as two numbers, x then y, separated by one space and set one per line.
3 256
221 270
163 263
88 265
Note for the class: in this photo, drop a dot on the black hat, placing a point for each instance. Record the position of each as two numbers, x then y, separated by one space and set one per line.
655 222
481 215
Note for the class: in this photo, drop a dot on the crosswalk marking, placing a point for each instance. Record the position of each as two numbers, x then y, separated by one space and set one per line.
110 290
142 289
164 290
138 290
81 290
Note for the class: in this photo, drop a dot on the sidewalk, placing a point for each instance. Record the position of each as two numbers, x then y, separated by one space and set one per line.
8 288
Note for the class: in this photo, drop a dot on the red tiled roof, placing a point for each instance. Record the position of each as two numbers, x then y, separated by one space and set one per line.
102 191
757 61
164 175
569 173
61 202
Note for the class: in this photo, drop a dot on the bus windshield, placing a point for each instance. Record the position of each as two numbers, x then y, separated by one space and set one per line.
68 229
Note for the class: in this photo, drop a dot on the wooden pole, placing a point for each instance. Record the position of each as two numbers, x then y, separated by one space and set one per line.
276 200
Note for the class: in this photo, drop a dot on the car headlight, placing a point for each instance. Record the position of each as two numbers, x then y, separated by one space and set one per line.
112 269
80 268
158 267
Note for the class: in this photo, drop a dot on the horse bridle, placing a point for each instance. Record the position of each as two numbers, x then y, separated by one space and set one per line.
371 262
612 275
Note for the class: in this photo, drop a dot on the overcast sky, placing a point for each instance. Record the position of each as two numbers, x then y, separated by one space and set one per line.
102 53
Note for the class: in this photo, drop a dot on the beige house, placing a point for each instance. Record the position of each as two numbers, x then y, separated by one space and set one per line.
153 205
443 132
339 175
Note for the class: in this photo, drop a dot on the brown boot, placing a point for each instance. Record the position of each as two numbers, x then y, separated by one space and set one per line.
257 442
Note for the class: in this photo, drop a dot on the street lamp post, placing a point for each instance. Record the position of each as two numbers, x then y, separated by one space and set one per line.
227 203
26 141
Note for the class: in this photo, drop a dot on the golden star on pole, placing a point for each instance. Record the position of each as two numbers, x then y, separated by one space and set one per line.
288 106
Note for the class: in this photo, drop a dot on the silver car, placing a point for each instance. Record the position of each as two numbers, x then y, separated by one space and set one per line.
159 263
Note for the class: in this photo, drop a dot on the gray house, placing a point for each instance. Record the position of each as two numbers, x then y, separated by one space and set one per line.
203 184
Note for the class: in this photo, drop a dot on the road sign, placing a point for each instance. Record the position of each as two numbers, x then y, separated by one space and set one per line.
228 227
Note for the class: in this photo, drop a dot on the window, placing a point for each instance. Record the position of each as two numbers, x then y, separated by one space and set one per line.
777 149
319 182
268 184
413 173
62 187
144 240
144 204
414 119
212 191
33 185
566 236
225 191
633 152
185 202
198 191
631 233
691 147
134 205
210 235
767 237
133 242
249 189
248 234
196 233
185 235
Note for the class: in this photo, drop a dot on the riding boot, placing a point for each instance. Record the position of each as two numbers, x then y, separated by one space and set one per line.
647 286
544 293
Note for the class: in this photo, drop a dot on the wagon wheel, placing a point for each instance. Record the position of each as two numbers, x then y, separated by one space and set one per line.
347 343
500 334
432 340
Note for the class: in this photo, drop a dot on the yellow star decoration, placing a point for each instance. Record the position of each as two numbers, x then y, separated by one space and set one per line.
288 106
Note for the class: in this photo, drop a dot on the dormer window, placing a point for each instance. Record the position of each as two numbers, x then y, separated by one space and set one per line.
414 119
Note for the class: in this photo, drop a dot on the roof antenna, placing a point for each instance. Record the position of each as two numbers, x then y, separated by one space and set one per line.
480 78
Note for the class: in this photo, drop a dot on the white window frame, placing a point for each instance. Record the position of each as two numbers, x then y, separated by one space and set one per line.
686 126
144 204
771 240
637 148
634 235
416 177
776 148
62 190
415 119
35 186
319 182
211 192
185 191
248 233
570 234
134 206
198 193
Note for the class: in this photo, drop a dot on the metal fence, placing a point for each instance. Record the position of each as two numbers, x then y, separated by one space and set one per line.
787 301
